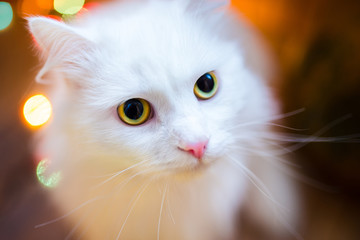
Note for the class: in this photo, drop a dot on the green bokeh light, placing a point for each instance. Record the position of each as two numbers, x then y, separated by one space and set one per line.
49 181
68 7
6 15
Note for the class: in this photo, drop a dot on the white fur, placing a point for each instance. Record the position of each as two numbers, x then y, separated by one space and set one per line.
156 50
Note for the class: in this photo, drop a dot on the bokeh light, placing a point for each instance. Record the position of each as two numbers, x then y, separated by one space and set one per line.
68 7
86 8
45 4
37 110
6 15
32 7
47 180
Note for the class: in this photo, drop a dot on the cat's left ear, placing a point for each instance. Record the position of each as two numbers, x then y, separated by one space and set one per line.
51 34
216 4
209 5
59 44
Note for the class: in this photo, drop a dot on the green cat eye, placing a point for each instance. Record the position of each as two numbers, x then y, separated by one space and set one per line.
206 86
134 111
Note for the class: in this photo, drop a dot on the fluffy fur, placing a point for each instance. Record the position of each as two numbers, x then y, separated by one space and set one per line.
133 182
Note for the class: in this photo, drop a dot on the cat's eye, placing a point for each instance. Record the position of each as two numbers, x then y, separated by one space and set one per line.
134 111
206 86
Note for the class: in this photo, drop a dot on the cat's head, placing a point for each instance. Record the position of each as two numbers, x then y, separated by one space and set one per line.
153 83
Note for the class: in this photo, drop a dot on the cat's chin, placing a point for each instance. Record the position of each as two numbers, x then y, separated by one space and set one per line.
186 172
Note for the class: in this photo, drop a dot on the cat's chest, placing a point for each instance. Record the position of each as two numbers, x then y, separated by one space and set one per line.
136 207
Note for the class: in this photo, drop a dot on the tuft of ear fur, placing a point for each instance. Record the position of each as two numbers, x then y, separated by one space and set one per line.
205 6
59 44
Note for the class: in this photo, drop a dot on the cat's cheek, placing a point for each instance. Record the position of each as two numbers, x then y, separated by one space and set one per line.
217 149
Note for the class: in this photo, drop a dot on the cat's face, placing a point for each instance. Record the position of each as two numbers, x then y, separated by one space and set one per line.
158 65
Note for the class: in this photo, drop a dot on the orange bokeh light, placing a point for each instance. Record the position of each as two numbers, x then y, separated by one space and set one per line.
38 7
45 4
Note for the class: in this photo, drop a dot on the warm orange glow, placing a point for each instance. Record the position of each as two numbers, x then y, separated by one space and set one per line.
86 8
91 6
45 4
38 7
37 110
263 14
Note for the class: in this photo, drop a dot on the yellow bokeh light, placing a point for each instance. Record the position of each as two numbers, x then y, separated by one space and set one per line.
68 7
37 110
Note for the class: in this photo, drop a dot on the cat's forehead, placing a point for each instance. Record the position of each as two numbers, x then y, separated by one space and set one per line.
157 48
162 41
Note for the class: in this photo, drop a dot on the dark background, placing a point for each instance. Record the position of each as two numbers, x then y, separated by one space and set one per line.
317 45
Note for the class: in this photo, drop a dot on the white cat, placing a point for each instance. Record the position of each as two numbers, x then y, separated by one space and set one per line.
161 115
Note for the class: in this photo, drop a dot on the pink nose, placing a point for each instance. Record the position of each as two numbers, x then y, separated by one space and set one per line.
196 149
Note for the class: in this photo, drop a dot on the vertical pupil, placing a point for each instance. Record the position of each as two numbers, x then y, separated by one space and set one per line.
206 83
133 109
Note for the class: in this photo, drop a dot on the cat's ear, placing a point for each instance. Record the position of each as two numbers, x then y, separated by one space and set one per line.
58 43
209 5
212 5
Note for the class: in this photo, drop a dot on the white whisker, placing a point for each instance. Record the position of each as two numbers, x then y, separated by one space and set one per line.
284 137
283 165
285 127
88 225
161 209
273 118
257 182
291 229
169 207
279 209
69 213
269 155
70 234
123 183
281 149
138 194
119 173
317 134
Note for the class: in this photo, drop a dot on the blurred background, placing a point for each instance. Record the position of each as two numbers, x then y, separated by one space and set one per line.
317 46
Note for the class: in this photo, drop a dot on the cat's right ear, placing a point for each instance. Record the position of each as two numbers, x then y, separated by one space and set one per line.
58 44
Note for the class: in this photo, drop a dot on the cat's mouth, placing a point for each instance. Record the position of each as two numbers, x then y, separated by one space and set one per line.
197 168
184 166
